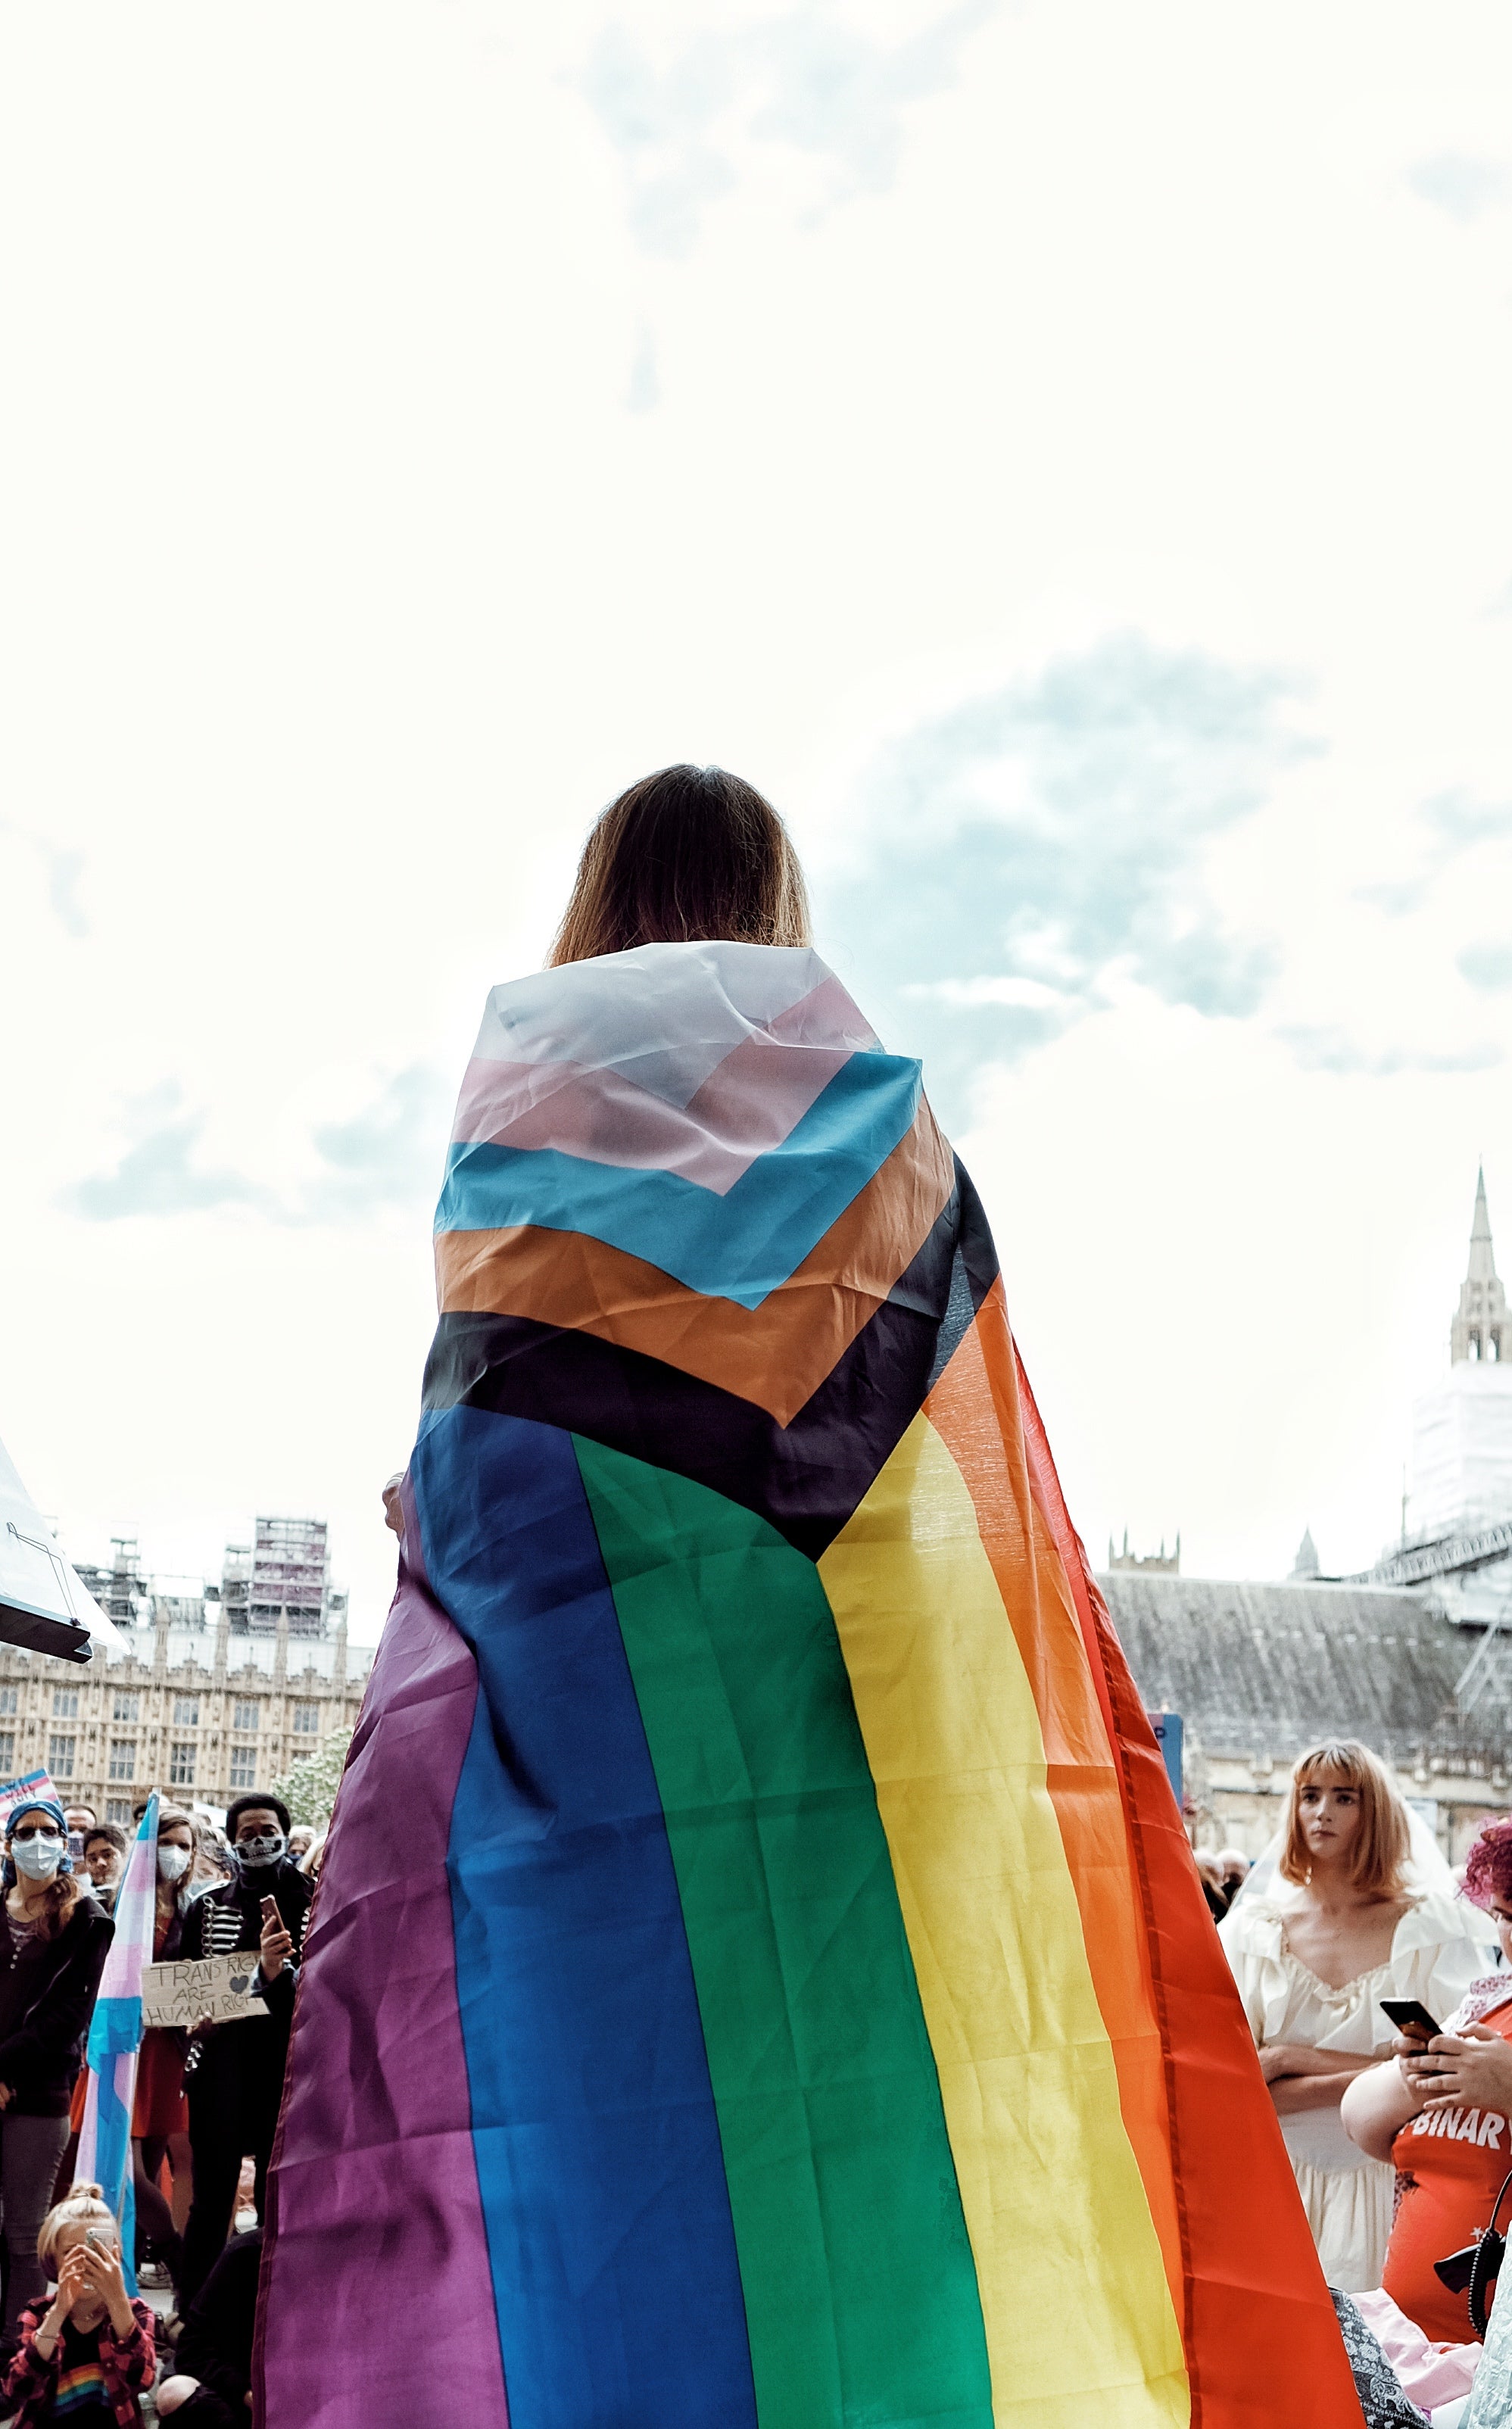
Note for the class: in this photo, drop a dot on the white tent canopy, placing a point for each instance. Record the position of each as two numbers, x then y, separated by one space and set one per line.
44 1604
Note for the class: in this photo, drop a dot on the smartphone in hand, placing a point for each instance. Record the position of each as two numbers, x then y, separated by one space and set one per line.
1412 2018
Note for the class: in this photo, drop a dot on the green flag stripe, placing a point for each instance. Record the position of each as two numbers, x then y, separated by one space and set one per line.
860 2294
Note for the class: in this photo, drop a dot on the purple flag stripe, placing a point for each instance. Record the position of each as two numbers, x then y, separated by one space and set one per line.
377 2302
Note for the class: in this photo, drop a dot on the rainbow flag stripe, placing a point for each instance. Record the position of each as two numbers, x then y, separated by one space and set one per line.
759 1979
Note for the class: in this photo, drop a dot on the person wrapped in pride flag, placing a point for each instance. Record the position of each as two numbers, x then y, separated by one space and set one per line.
760 1980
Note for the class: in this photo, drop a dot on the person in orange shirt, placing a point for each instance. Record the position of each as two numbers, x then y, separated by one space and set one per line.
1443 2115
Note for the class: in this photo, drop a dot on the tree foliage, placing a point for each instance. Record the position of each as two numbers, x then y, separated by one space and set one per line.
308 1787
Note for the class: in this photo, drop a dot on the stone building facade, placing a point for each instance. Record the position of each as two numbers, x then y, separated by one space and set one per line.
1413 1656
1260 1671
194 1708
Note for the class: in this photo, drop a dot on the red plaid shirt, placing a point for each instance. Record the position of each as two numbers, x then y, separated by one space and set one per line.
126 2362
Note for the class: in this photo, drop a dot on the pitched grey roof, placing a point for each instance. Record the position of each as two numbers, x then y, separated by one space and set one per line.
1272 1668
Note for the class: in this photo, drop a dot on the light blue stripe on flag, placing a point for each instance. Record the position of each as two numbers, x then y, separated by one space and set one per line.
115 2038
742 1245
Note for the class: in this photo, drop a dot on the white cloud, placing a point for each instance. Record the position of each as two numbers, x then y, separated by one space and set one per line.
385 1157
1018 856
693 119
344 585
1460 184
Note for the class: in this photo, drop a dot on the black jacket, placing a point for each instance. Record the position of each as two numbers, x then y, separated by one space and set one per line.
229 1917
215 2341
46 1999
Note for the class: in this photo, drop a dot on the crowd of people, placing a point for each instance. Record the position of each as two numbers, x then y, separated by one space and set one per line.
1399 2130
74 2346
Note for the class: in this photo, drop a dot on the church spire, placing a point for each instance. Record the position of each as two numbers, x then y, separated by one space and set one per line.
1481 1328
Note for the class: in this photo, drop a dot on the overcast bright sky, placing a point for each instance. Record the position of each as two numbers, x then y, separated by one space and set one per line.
1059 451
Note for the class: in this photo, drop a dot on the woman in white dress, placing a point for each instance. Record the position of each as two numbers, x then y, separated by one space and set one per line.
1345 1921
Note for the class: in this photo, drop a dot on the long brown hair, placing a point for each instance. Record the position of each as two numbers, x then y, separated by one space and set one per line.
169 1818
1383 1837
689 853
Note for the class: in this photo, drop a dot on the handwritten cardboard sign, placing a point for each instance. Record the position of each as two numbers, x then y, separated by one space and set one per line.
217 1987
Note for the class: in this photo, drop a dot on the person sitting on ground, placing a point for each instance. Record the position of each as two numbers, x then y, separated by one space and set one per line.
105 1861
236 2074
1314 1955
1440 2111
54 1935
211 2386
86 2357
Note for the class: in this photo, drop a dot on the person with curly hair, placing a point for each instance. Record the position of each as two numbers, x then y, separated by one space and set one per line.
1442 2113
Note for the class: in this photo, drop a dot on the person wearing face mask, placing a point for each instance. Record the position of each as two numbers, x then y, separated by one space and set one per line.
159 2118
54 1935
235 2070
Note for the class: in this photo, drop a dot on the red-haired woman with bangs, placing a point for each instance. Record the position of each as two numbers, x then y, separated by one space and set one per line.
1443 2115
1344 1925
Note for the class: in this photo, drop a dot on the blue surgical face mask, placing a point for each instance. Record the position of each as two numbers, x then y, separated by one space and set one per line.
38 1858
264 1848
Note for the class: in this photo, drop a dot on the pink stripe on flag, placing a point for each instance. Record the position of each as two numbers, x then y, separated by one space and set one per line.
749 1105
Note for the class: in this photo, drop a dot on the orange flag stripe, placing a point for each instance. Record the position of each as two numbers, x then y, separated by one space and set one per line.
1262 2340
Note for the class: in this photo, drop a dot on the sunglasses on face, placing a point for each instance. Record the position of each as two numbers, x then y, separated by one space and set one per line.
35 1830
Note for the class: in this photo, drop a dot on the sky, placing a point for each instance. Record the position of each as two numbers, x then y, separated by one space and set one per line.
1058 452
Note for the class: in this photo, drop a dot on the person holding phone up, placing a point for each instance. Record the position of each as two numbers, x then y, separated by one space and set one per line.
86 2357
236 2072
1440 2111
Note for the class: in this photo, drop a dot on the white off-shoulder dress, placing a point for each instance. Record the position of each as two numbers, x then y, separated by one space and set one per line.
1436 1952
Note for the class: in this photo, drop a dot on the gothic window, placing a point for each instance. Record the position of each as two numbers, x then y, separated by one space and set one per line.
118 1808
7 1699
65 1703
187 1711
7 1750
245 1716
123 1758
61 1757
180 1766
125 1707
307 1720
243 1766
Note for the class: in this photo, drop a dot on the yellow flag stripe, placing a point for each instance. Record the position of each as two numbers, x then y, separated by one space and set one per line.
1080 2326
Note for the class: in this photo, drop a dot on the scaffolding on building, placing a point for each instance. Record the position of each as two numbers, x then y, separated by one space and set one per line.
122 1591
281 1576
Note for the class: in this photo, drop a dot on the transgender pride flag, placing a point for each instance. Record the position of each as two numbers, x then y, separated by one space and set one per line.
115 2038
